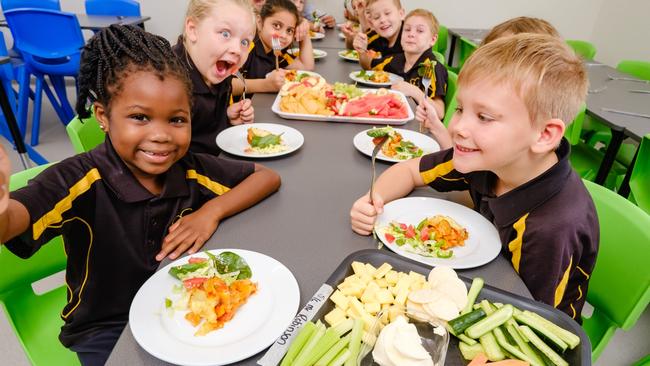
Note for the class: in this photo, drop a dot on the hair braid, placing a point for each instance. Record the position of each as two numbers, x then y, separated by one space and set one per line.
115 52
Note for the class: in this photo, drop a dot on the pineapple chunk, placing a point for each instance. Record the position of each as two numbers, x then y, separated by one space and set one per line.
382 283
340 300
335 316
394 312
369 338
359 268
401 296
372 307
356 307
369 293
391 277
382 270
370 269
352 290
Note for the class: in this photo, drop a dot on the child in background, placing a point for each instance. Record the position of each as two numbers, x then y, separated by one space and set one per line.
214 45
514 96
428 113
359 24
257 5
314 15
132 201
278 18
419 34
386 18
305 25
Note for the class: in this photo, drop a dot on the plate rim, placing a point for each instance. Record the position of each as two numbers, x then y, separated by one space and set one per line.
361 135
292 283
354 78
291 52
433 261
259 156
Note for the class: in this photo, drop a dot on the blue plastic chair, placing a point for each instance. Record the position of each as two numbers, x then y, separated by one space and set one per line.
113 7
39 4
50 42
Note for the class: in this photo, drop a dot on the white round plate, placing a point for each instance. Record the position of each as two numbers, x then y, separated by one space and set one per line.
233 139
392 78
341 35
317 35
363 143
310 73
255 326
481 247
318 54
344 54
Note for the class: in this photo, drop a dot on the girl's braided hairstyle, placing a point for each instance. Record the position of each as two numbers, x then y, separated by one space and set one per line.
116 51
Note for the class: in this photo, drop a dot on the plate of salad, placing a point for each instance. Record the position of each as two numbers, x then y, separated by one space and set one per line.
252 297
437 232
402 144
375 78
353 55
260 140
318 54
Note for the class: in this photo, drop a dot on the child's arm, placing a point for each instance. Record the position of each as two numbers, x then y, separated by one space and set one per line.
241 112
360 44
190 232
271 84
428 116
396 182
14 217
305 60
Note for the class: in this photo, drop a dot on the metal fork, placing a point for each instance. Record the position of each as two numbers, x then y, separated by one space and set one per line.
426 82
375 151
277 50
610 77
239 76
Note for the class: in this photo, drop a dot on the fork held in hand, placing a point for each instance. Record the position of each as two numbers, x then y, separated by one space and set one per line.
426 82
239 76
277 50
375 151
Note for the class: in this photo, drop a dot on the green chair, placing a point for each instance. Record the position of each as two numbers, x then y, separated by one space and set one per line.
619 287
584 49
439 56
35 319
645 361
84 135
441 43
573 130
450 97
465 49
640 177
639 69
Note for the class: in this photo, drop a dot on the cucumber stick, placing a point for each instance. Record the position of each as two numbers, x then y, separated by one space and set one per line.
490 322
463 338
513 350
491 347
523 344
355 342
464 321
333 352
542 347
533 323
469 352
472 294
568 337
301 338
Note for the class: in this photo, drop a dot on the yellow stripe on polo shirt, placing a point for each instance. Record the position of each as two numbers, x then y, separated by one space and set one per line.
380 66
436 172
515 245
56 214
208 183
583 272
287 58
561 287
373 38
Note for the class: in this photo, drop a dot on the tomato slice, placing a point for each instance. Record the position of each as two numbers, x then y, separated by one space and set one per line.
390 238
424 234
194 282
410 232
197 260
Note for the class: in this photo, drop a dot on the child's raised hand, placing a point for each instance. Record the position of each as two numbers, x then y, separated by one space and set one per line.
348 30
302 31
363 213
429 119
241 112
276 77
5 173
360 42
187 234
328 20
408 89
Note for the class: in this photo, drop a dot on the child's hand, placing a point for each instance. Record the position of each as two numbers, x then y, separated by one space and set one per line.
241 112
5 173
328 20
426 114
189 234
408 89
363 214
302 31
276 77
348 31
360 42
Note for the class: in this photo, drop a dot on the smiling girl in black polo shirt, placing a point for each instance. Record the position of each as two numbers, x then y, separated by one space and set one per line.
278 18
132 201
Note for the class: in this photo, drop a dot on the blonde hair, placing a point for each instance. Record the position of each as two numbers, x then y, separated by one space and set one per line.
397 3
199 9
520 25
546 74
431 19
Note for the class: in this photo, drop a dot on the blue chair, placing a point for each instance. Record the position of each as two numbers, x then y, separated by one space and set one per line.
40 4
50 42
113 7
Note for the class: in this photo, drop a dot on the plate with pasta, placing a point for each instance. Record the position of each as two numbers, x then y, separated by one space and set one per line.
402 144
260 140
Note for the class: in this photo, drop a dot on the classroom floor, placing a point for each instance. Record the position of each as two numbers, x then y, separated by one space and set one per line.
623 350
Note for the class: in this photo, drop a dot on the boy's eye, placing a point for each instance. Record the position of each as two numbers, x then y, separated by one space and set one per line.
276 26
245 42
458 110
290 31
485 118
138 117
225 34
178 120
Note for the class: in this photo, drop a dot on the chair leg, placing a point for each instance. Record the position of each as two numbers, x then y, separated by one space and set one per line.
59 87
54 101
36 119
23 99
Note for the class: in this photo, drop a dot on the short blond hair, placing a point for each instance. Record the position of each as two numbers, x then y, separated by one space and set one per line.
546 74
397 3
521 25
431 19
199 9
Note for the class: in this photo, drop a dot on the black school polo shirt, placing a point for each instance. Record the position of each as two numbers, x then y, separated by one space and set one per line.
380 44
548 226
259 63
395 64
209 105
112 226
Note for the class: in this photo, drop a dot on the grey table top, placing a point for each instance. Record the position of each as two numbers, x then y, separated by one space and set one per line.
306 224
331 40
100 21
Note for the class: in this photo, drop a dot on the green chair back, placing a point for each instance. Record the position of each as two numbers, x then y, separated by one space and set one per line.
466 48
640 177
573 130
584 49
639 69
441 43
439 56
619 287
34 318
450 97
84 135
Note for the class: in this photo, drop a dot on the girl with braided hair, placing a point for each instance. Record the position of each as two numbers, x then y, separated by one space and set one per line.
215 43
132 201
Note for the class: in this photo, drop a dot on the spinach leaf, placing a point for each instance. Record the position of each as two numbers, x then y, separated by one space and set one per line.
178 271
265 141
227 262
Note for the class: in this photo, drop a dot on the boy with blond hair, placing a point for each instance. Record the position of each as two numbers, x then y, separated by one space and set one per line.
507 148
386 18
520 25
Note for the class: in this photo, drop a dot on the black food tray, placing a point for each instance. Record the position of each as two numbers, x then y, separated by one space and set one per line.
581 355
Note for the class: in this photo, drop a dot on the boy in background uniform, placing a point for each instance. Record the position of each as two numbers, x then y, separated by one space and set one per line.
505 145
386 18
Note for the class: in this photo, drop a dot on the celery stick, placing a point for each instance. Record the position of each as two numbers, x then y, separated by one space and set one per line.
334 351
475 288
355 342
545 349
303 335
326 342
341 358
344 326
305 352
567 336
